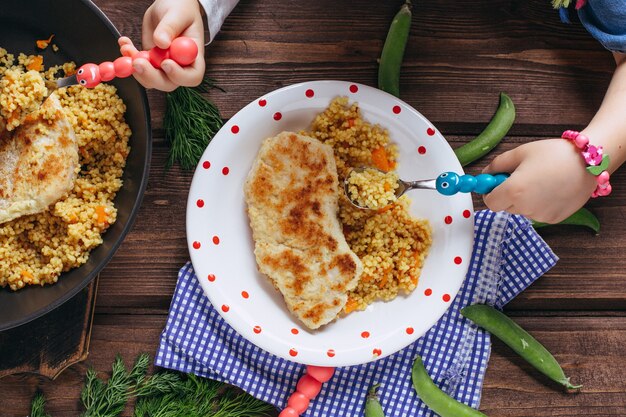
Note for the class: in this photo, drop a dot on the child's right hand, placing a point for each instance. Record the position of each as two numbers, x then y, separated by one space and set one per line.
163 21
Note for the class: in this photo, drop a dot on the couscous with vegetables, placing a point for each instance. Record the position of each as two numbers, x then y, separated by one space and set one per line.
371 188
391 243
35 249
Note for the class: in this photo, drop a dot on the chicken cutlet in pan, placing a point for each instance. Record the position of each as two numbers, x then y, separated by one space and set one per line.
38 162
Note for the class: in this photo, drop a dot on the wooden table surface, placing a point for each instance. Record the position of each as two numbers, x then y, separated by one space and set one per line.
460 56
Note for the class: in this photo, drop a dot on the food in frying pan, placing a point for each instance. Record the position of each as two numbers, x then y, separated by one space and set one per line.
292 196
36 248
21 93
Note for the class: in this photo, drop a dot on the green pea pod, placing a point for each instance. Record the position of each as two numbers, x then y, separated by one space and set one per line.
437 400
393 51
519 340
372 405
582 217
497 128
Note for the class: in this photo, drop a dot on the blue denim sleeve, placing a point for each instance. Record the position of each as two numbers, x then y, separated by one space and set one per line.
606 21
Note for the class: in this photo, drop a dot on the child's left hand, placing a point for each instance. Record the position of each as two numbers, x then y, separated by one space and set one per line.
548 181
163 21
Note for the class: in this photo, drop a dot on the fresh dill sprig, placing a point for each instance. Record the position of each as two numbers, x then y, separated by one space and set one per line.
191 120
164 394
37 407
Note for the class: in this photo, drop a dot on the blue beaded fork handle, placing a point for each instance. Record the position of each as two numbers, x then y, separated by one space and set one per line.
450 183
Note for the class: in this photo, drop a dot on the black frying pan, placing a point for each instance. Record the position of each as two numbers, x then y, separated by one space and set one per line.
84 34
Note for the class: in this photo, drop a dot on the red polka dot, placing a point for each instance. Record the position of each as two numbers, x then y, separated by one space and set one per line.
409 330
235 129
428 292
430 131
262 102
225 170
294 331
257 329
206 165
309 93
245 294
278 116
225 308
200 203
421 150
196 245
446 297
458 260
293 352
397 109
365 335
467 214
216 240
211 277
330 353
448 219
377 352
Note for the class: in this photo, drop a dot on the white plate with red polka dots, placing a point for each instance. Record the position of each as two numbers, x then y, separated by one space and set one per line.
221 246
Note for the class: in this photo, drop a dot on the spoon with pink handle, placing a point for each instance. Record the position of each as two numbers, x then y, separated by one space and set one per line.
182 50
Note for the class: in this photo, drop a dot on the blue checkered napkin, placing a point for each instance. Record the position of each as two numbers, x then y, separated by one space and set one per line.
508 256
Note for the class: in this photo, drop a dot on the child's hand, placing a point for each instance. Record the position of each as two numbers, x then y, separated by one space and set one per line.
163 21
548 181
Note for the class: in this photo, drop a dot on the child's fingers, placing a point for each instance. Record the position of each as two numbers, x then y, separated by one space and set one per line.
187 76
171 25
506 162
150 77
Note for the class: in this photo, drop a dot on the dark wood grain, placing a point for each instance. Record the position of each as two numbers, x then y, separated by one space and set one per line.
460 56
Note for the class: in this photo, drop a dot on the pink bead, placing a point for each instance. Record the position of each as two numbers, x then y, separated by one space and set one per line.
581 141
569 134
604 191
309 386
183 51
603 178
594 194
288 412
107 71
157 55
321 373
298 401
123 66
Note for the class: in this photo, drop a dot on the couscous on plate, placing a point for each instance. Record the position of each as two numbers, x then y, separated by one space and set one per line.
391 243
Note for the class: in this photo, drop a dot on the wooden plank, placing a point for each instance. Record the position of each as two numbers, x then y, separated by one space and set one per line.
50 344
459 56
590 349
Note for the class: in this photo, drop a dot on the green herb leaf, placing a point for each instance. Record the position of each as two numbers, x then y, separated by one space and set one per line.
37 407
191 120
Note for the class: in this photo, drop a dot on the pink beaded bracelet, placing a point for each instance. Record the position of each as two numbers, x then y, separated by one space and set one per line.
597 162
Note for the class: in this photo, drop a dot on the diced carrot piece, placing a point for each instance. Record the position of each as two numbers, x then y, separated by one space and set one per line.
101 213
350 305
36 63
43 43
351 122
380 159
